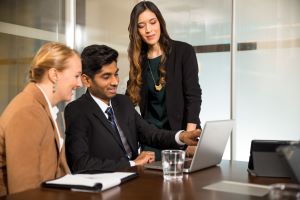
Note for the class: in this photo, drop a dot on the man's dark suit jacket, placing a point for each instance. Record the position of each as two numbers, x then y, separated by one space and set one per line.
90 142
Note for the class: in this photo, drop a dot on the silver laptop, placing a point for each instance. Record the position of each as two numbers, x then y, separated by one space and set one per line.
210 148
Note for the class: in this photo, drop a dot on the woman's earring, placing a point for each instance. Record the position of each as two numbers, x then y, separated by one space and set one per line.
54 87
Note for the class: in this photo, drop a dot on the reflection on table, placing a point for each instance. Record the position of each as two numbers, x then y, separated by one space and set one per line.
150 185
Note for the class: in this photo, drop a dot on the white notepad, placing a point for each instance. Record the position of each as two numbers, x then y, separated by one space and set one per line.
90 182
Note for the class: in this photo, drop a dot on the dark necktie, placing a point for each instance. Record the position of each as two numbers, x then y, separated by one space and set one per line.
111 119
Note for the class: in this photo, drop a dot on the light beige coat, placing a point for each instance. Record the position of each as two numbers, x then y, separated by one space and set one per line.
29 145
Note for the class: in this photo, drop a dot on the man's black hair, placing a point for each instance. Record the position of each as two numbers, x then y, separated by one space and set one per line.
94 57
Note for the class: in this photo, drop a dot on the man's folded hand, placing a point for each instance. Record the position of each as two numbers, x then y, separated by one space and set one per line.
145 157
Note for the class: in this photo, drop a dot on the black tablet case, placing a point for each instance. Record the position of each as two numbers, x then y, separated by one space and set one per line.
265 161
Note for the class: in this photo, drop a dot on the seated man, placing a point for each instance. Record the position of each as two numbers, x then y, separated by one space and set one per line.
103 129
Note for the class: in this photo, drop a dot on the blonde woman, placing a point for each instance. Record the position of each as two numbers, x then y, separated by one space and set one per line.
31 143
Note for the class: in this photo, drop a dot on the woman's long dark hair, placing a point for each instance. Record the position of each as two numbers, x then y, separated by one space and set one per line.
137 50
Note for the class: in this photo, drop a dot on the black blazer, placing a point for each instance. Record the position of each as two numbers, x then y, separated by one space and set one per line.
183 92
90 143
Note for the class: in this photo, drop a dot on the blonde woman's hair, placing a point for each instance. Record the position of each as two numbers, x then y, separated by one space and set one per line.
50 55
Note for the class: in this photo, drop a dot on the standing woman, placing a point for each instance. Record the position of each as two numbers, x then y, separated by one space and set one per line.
31 144
163 76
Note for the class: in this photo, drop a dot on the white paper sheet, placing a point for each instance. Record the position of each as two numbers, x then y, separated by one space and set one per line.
239 188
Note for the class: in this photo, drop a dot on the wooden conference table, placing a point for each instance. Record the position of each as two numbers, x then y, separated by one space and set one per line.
150 185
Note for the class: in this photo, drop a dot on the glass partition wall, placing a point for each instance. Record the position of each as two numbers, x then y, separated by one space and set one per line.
267 69
24 27
248 55
248 64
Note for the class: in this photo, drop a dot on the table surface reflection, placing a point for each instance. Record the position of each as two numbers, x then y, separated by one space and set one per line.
150 185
